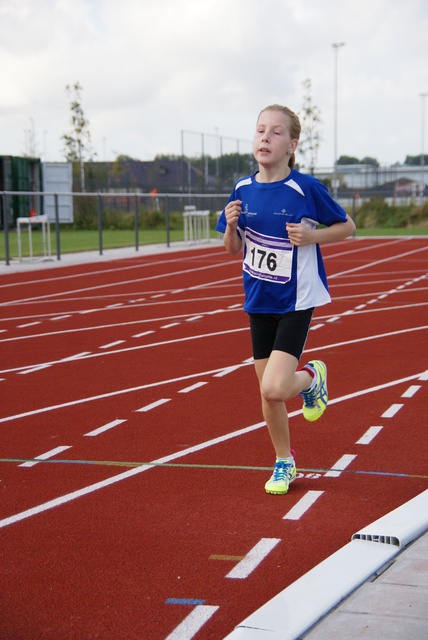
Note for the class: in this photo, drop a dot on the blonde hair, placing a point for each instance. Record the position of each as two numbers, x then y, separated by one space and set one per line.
295 126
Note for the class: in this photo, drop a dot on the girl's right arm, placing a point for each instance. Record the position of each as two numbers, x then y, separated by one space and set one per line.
232 240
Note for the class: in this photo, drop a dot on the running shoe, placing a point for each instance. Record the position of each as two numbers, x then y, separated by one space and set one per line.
315 398
283 474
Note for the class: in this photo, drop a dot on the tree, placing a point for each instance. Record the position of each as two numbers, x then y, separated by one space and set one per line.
348 160
370 160
78 141
416 161
310 137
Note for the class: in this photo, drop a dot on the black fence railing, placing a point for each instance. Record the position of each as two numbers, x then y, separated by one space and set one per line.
88 210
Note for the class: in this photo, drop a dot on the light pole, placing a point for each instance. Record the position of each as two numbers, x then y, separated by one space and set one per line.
336 46
423 96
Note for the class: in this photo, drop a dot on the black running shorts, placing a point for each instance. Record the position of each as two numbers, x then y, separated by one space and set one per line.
287 332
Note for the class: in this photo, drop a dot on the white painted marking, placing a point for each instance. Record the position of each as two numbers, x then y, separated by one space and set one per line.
141 335
193 387
334 319
39 367
158 295
44 456
303 505
56 502
193 318
392 411
112 344
86 311
114 306
119 392
316 326
252 560
361 306
385 295
423 376
369 435
105 427
61 317
410 392
153 405
190 626
76 356
340 465
235 306
226 371
169 326
29 324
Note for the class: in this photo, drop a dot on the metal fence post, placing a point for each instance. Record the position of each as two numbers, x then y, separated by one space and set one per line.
167 221
100 227
6 228
58 248
136 221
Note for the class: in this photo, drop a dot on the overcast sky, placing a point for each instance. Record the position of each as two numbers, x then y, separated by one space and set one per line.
152 69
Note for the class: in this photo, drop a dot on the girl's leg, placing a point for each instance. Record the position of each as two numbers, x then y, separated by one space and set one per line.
279 381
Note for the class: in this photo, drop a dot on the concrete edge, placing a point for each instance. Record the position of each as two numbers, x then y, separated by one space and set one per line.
304 603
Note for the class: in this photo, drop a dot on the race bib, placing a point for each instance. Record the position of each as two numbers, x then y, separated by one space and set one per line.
268 258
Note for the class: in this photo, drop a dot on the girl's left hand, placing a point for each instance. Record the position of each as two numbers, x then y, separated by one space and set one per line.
300 234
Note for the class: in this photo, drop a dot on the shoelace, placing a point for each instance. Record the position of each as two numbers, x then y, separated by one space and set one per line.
280 470
310 397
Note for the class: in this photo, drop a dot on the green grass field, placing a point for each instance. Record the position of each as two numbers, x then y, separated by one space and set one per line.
73 241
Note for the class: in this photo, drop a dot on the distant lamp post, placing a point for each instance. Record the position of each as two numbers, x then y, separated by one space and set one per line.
423 96
336 46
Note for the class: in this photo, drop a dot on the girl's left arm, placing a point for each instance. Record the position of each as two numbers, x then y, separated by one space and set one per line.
301 235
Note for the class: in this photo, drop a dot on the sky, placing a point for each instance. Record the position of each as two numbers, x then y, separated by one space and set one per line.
173 76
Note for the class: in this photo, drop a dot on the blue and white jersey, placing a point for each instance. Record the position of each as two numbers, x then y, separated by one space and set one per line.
279 277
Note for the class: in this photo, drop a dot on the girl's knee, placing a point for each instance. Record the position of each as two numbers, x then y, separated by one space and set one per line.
274 392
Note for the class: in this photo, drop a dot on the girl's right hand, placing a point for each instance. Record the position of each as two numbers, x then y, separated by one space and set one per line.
232 213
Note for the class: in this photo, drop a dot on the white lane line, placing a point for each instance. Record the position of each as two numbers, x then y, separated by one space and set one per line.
199 374
76 356
44 456
69 497
105 427
303 505
29 324
153 405
340 465
193 318
39 367
169 326
392 411
410 392
144 333
253 558
61 317
115 306
190 626
112 344
369 435
193 387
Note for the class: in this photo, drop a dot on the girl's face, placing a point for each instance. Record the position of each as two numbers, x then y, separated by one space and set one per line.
272 142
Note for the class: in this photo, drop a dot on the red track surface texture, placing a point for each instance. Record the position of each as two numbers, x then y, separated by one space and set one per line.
108 366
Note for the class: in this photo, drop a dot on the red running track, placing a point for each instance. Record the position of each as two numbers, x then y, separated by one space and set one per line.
105 367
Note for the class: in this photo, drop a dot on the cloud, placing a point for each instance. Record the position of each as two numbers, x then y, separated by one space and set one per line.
151 69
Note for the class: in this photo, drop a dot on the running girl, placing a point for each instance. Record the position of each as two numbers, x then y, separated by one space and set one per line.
273 216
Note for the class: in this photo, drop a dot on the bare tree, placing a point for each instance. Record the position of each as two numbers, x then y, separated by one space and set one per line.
78 141
310 138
